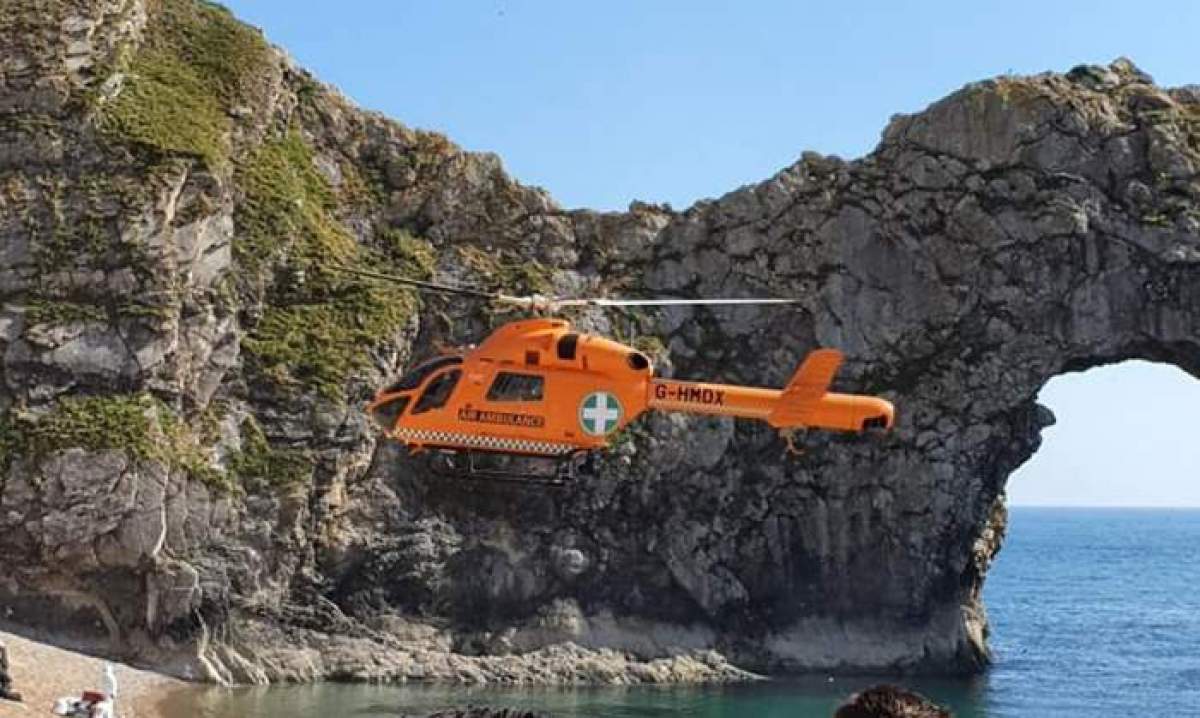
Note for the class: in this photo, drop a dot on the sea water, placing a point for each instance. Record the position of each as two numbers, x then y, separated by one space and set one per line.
1094 612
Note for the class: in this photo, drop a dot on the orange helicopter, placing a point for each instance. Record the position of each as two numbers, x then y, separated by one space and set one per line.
536 388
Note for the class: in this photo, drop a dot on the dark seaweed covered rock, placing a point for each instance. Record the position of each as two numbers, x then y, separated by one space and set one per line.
484 712
886 701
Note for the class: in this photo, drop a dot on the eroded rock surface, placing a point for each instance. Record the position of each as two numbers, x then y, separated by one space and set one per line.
187 479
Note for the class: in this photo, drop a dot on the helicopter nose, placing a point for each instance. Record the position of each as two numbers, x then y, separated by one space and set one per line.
386 411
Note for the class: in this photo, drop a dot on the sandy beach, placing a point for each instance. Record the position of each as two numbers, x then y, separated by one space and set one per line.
42 673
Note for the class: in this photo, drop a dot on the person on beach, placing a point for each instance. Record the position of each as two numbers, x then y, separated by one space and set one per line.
6 689
886 701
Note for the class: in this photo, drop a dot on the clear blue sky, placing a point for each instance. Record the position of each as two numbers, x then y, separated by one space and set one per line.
1126 436
675 100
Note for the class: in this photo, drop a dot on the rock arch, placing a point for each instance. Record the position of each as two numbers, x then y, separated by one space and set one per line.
1016 230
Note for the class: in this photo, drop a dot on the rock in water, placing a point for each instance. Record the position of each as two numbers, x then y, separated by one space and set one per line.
186 474
484 712
886 701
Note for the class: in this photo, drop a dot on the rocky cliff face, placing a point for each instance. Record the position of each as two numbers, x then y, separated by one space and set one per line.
186 476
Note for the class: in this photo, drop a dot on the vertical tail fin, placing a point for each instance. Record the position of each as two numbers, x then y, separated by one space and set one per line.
806 388
807 401
812 379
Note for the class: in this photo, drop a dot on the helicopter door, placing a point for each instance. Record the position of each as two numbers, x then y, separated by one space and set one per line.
437 392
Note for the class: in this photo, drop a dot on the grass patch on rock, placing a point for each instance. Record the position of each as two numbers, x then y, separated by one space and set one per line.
650 345
78 220
412 256
318 345
56 312
507 272
319 321
140 426
196 63
259 465
287 211
166 106
95 423
7 445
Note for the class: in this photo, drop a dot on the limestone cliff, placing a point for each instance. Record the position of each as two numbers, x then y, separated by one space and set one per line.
186 477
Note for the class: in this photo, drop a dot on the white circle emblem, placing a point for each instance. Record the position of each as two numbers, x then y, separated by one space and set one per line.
600 413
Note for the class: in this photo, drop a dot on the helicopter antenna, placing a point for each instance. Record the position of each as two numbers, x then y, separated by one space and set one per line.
543 303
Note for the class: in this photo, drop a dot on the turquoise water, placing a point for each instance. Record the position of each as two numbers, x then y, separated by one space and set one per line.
784 699
1095 612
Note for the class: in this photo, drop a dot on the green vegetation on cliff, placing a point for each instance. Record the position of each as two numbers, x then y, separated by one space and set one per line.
42 311
145 429
166 106
506 271
287 211
139 425
7 445
177 92
95 423
259 465
196 64
76 221
410 255
318 345
319 321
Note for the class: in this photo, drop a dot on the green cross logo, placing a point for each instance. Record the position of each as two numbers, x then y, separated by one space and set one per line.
599 413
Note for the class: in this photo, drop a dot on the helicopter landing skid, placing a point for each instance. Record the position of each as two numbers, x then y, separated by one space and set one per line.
464 465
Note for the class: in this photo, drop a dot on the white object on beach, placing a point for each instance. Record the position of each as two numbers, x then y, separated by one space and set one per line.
103 709
91 704
79 708
110 681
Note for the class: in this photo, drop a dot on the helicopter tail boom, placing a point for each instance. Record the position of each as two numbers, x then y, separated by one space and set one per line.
694 397
806 402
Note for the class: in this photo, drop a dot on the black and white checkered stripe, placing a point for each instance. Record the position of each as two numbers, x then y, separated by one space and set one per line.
475 441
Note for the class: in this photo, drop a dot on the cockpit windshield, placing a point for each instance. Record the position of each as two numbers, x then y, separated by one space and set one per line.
413 378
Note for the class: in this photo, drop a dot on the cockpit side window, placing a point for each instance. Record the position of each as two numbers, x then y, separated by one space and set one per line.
510 386
386 414
413 378
438 392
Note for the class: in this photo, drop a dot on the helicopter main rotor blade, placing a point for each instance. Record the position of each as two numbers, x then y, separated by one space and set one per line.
428 286
537 302
602 302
